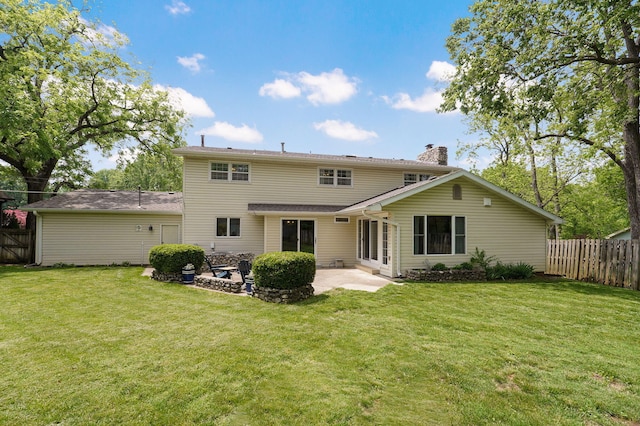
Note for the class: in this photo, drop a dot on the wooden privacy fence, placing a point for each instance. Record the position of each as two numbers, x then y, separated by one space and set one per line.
16 245
610 262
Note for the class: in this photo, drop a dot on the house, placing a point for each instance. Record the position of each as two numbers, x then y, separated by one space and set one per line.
101 227
386 215
623 234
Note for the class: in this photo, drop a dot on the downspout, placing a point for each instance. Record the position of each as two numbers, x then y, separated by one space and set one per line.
392 223
38 248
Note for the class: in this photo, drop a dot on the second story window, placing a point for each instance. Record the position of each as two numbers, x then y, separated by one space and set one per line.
230 172
335 177
410 178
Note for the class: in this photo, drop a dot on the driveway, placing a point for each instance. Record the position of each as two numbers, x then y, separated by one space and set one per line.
350 279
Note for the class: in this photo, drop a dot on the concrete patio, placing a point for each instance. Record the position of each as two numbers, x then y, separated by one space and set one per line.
349 279
328 279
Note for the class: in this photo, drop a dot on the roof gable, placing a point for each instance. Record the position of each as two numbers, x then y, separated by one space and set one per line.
377 203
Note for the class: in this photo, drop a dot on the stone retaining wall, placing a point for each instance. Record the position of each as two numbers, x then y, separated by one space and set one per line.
276 295
213 283
220 284
175 277
226 258
445 276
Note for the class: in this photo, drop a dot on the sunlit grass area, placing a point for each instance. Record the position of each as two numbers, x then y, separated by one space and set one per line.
108 346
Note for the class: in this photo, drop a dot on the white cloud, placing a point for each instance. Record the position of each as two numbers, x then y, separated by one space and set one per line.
441 71
192 63
428 102
190 104
178 7
280 89
325 88
431 99
344 130
328 87
230 132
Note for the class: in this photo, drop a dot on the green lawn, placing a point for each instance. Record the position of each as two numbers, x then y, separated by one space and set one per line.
107 346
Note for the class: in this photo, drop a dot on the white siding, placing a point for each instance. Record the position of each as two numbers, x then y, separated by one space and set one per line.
334 240
100 239
504 229
274 183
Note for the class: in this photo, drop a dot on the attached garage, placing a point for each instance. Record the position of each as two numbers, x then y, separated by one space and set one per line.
93 227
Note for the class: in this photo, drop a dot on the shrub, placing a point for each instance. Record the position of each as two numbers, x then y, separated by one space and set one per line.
168 258
516 271
522 270
439 267
464 266
481 260
284 270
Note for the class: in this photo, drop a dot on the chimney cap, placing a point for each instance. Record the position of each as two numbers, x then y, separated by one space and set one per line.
429 146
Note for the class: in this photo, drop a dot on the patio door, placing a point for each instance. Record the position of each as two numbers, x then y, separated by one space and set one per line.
368 241
299 235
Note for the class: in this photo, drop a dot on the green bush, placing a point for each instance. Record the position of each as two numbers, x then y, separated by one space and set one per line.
522 270
439 267
516 271
169 258
464 266
481 260
284 270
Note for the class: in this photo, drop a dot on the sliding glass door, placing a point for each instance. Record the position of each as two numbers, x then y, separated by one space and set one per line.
298 235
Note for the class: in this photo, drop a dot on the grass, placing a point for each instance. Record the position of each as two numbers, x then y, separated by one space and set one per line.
107 346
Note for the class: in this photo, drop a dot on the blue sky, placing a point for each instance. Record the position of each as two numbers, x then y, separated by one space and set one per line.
334 77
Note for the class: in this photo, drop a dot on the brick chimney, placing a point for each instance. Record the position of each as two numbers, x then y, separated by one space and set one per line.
437 155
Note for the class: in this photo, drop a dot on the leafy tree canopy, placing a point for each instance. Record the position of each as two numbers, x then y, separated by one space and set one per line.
65 90
558 70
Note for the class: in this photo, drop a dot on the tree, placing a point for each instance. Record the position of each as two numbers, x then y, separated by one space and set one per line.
574 65
151 171
66 89
597 207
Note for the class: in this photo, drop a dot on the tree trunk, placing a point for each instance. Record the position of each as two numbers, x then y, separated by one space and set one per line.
534 174
36 186
556 190
631 172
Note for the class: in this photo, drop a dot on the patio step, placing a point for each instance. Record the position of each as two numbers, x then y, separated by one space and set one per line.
367 269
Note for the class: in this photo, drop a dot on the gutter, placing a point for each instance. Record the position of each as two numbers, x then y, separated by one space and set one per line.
392 223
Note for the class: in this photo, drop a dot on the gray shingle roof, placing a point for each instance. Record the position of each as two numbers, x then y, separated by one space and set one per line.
247 154
114 201
312 208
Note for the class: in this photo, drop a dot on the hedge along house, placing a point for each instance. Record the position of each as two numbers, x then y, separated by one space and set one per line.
384 215
101 227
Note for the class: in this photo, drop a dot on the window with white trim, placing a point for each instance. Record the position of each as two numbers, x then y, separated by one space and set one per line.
439 235
227 227
410 178
237 172
335 177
